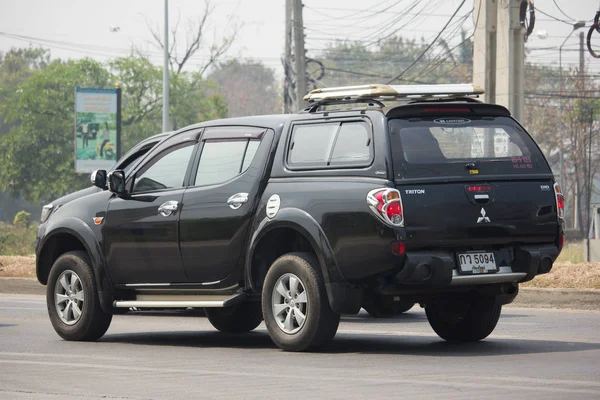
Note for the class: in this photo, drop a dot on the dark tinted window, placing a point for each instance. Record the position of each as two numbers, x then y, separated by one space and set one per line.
352 144
166 171
221 161
334 144
443 147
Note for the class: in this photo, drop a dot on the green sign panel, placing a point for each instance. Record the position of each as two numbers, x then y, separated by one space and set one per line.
97 128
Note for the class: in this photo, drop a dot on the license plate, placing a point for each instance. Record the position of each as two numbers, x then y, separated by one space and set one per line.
477 263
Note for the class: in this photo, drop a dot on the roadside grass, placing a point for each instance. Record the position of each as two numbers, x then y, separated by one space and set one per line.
17 266
569 271
16 240
571 252
569 275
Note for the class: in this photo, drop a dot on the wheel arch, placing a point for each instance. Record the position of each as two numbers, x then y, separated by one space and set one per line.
73 234
294 230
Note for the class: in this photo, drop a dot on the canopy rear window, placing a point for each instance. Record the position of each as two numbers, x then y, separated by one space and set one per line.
455 146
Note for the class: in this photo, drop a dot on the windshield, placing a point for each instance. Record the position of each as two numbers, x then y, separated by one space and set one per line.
455 146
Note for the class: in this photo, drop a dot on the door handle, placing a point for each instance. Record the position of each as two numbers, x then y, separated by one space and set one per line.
168 208
237 200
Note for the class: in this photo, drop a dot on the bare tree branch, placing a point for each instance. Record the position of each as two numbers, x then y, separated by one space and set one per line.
195 42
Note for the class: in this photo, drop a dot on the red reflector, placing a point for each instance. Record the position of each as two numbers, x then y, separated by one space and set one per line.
394 209
398 248
560 200
478 188
447 110
561 241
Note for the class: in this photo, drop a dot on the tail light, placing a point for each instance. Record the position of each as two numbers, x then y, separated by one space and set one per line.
387 205
560 202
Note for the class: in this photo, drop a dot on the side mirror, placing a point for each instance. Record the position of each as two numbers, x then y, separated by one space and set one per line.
99 178
116 182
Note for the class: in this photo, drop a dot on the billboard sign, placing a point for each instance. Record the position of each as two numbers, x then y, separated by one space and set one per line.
97 128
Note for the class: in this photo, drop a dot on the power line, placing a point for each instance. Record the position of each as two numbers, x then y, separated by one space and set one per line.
561 11
553 17
428 47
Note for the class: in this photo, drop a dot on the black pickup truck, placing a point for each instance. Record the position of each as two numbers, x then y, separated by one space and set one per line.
374 196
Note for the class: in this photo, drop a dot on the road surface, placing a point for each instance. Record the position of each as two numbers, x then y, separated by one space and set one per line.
533 353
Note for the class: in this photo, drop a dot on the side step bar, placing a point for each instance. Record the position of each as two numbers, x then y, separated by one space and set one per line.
178 301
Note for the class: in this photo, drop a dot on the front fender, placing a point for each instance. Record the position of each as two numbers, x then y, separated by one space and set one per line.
85 235
342 298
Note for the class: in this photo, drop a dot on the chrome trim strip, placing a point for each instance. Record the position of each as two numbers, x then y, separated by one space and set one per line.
504 274
146 284
167 303
171 284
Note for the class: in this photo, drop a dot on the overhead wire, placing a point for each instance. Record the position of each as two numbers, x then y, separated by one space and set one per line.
430 44
561 11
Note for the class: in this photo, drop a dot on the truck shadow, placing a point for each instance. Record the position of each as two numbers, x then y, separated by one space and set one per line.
362 343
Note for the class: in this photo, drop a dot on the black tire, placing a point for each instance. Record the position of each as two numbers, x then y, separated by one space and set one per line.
320 323
466 319
93 322
240 318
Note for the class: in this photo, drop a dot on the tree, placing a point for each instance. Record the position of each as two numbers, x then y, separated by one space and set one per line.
194 84
249 88
37 153
38 160
15 67
566 120
353 63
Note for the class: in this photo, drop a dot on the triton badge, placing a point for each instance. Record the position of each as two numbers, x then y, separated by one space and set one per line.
484 217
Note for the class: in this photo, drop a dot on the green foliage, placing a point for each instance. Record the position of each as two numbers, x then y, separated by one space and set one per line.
22 219
38 160
141 84
37 106
17 241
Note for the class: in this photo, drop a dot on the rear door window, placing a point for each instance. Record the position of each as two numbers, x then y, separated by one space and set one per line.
221 161
459 146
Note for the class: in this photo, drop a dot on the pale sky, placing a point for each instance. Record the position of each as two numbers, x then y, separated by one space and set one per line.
74 29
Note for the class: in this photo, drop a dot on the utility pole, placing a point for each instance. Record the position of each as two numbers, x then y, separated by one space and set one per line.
299 54
165 121
581 63
287 58
484 47
510 56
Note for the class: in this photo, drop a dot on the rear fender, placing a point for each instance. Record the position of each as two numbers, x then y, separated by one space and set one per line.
342 297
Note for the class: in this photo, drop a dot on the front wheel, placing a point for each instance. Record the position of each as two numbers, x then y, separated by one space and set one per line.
237 319
295 305
72 299
463 319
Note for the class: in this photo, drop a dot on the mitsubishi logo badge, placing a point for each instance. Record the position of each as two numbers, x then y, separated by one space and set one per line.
483 217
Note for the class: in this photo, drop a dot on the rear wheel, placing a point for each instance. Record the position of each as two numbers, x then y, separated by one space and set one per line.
463 319
295 304
237 319
72 299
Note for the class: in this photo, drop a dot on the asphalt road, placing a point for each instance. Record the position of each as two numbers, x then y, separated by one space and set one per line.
533 353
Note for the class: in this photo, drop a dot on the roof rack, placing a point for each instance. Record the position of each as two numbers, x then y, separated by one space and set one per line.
392 92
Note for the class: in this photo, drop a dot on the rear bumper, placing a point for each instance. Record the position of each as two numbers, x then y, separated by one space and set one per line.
438 268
